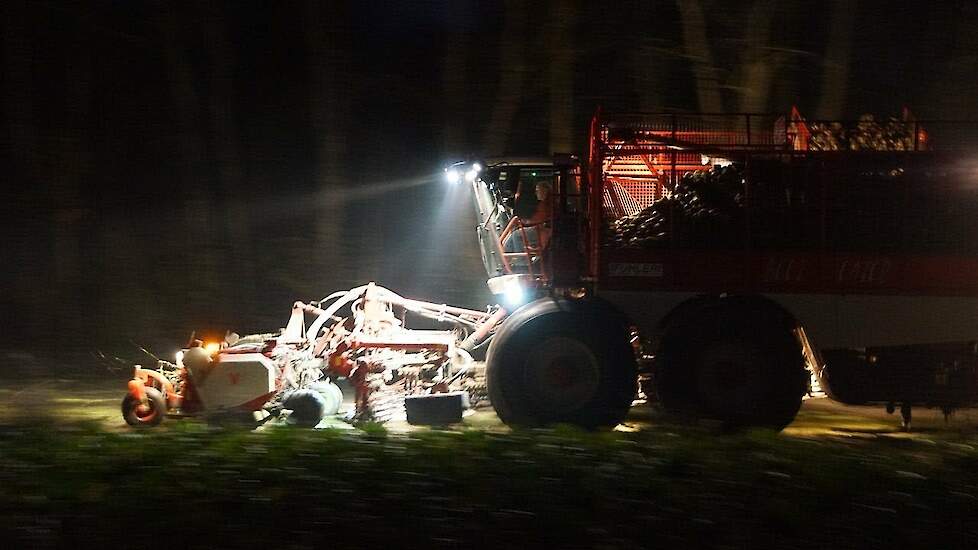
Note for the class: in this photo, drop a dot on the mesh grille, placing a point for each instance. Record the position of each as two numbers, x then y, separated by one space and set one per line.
644 192
749 130
626 197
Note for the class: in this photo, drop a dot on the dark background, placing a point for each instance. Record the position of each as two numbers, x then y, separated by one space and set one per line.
172 166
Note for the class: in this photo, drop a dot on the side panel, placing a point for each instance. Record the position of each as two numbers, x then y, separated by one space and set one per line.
789 272
234 380
844 300
834 321
866 320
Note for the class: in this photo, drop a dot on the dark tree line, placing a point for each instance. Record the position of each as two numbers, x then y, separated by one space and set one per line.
179 165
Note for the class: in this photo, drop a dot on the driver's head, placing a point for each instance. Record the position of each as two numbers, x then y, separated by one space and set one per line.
543 190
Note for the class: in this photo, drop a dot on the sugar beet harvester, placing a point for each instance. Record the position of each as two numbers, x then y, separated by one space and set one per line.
723 261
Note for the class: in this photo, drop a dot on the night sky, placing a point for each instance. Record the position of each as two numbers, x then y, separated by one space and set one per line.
173 166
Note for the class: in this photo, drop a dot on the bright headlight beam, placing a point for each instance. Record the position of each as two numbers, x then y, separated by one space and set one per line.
470 175
514 294
452 176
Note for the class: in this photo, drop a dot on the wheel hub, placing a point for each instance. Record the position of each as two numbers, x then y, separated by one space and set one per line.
729 374
562 373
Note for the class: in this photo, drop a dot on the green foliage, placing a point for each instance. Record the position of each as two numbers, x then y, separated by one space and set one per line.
560 487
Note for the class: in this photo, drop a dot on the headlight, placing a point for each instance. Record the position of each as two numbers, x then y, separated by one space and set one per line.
514 293
452 175
459 171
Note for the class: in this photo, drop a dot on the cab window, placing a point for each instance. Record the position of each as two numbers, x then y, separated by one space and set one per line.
526 200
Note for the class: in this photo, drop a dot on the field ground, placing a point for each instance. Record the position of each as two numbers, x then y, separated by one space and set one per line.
98 400
71 472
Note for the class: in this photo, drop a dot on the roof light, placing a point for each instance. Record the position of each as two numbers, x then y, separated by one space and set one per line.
452 175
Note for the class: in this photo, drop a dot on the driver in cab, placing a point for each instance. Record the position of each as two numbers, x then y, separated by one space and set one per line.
540 219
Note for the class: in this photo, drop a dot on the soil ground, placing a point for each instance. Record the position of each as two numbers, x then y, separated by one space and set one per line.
74 399
838 477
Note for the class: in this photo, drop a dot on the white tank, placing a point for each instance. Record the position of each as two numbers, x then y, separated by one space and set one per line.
235 380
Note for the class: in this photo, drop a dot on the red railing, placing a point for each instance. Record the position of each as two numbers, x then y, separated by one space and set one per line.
531 249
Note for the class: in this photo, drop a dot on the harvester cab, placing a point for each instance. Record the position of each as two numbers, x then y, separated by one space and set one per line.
530 228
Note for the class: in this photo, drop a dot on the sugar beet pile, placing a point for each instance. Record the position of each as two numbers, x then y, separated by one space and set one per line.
702 204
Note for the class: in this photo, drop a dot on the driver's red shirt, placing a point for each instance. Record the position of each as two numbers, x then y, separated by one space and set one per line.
541 221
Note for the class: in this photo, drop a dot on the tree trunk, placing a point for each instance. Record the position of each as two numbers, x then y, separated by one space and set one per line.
648 70
72 168
200 265
955 92
23 253
512 72
697 47
328 43
239 256
454 143
560 43
838 50
18 104
758 63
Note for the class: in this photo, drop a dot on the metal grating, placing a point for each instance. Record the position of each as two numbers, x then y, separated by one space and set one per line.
609 206
629 134
633 133
627 197
641 193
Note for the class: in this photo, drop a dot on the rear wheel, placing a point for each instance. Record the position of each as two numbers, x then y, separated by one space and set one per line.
733 359
151 413
557 361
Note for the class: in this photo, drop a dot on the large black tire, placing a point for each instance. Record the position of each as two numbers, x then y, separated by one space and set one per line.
307 406
735 359
140 417
560 361
847 378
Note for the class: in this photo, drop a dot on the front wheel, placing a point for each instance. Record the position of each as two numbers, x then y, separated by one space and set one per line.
559 361
149 414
